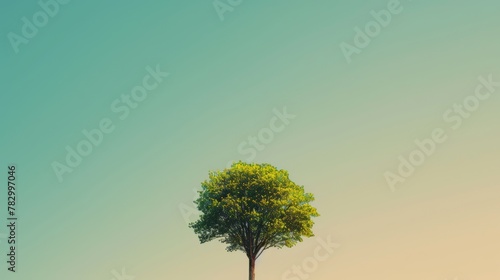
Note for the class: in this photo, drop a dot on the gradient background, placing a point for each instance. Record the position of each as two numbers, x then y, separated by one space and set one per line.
120 207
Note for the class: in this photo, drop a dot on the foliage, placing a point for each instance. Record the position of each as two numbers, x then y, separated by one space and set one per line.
253 207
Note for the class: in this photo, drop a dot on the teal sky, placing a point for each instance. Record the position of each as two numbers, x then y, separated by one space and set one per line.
119 208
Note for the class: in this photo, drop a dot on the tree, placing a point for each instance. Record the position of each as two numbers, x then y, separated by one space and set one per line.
251 208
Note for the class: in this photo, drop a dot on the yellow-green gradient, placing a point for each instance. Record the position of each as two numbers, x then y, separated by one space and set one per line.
120 207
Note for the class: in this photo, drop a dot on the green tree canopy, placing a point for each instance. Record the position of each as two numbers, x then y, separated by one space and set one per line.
253 207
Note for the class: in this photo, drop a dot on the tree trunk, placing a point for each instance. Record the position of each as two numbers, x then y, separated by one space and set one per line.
251 268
